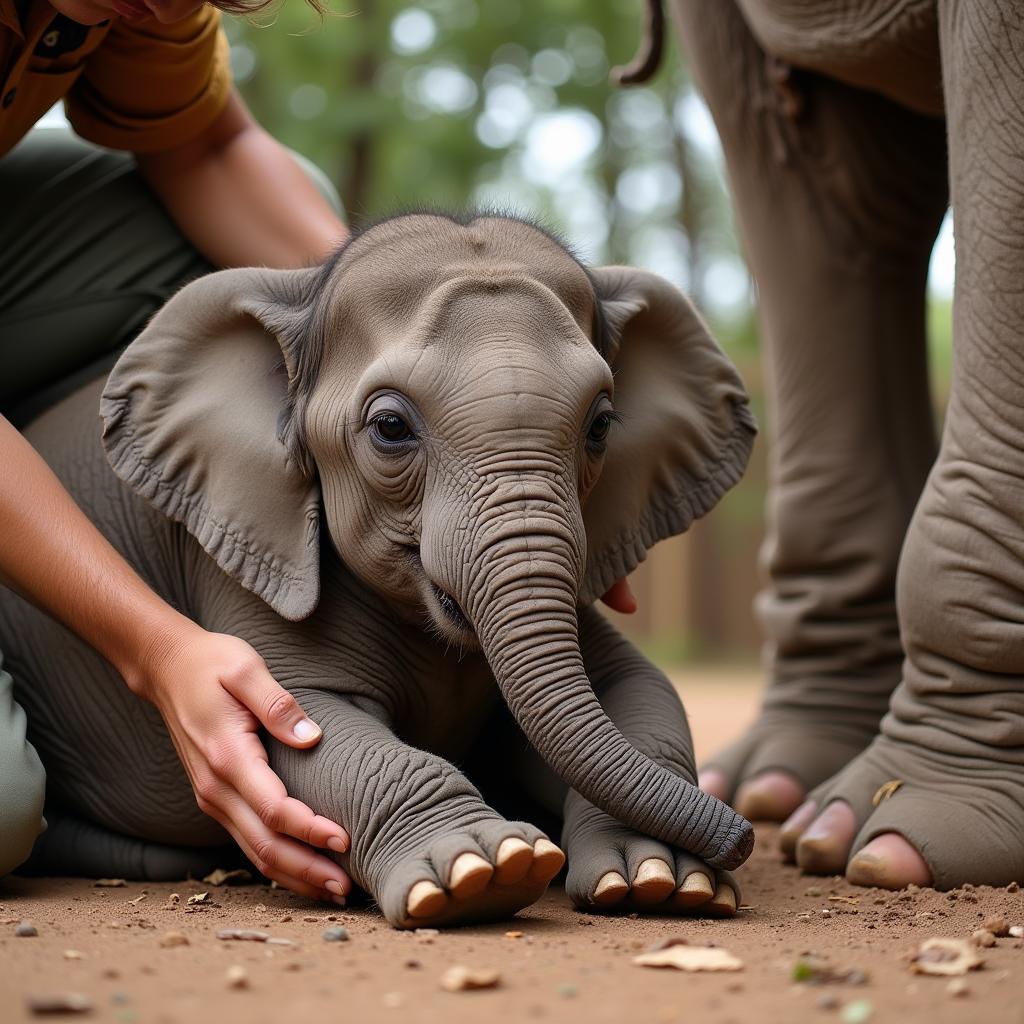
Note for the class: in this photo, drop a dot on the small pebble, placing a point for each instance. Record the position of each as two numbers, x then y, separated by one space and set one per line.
237 977
172 939
59 1003
462 979
285 918
813 891
983 938
1017 931
413 964
242 935
513 935
1013 887
828 1001
958 987
997 925
309 919
858 1012
73 954
335 935
26 931
568 991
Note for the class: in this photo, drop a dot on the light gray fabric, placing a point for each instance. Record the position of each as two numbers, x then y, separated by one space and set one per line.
22 782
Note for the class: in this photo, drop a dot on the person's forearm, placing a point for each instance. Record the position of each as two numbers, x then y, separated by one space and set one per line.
241 197
54 557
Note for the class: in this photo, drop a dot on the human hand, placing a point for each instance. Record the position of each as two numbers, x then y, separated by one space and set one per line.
620 598
214 692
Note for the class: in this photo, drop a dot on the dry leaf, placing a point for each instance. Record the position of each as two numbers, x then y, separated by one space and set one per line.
689 958
945 956
463 979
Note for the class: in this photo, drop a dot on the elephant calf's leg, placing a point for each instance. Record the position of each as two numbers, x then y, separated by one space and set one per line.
612 867
424 843
939 796
839 194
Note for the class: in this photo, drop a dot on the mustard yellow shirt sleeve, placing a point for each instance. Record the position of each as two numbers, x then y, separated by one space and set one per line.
150 87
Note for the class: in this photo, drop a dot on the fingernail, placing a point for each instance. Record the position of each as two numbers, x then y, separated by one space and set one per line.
304 730
335 887
337 844
340 900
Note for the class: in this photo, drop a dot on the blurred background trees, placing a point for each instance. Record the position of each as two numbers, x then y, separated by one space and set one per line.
451 103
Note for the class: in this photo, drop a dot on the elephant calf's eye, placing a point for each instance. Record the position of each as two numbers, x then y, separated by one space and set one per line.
389 428
598 433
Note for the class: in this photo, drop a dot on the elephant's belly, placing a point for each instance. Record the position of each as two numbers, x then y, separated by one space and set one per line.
107 755
886 46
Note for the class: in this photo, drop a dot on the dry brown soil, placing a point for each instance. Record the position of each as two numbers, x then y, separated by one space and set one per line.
556 965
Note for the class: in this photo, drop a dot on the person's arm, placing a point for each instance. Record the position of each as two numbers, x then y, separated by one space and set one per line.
241 198
213 691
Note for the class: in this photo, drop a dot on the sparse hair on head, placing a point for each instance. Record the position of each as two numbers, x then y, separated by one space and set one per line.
246 7
307 355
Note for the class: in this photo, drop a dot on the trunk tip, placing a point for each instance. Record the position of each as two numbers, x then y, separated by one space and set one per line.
737 846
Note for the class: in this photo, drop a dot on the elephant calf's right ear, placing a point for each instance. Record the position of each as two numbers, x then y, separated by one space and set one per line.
191 416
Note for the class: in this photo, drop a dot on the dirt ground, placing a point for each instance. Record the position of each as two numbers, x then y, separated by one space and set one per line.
110 946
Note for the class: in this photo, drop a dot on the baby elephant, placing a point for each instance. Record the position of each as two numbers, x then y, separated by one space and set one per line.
490 435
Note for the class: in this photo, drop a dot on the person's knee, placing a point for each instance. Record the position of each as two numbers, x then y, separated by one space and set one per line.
22 782
22 790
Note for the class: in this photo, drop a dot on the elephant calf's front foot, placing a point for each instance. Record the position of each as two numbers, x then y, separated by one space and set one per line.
482 872
614 868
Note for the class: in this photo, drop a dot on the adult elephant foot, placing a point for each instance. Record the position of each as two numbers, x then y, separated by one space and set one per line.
767 774
615 869
901 815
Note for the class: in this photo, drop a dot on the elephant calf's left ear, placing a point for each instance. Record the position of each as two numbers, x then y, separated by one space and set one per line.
686 430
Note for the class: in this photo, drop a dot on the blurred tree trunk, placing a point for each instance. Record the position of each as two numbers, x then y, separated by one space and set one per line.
359 159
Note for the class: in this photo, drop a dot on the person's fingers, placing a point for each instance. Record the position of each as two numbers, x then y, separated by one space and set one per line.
296 885
277 710
259 786
621 598
281 858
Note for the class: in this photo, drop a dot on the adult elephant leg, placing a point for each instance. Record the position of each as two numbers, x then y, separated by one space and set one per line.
839 194
947 772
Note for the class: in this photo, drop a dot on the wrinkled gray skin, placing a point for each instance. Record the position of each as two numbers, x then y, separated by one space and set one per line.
430 397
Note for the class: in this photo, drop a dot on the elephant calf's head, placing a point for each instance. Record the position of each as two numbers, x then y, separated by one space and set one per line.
491 433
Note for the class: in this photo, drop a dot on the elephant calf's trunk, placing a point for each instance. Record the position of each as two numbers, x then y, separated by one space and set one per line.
536 659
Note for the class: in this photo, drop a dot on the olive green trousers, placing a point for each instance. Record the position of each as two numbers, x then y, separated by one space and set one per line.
87 255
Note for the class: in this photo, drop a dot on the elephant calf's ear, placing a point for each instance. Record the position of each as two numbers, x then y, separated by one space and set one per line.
191 417
686 430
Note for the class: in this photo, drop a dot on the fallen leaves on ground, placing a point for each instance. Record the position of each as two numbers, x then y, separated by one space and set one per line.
678 954
945 956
